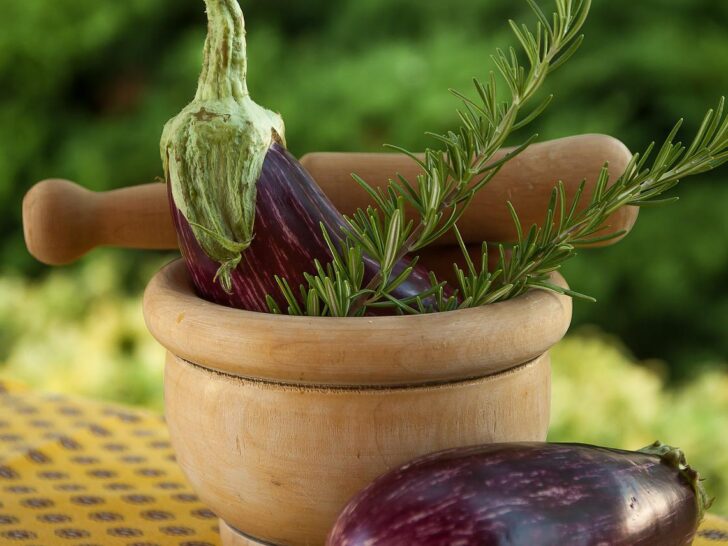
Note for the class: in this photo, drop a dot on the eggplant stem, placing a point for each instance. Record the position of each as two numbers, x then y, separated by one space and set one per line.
213 151
225 66
675 458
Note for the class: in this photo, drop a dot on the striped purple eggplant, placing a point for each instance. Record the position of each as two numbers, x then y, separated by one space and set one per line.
244 208
530 494
289 207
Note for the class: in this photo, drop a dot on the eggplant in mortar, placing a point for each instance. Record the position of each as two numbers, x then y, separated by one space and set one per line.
530 494
245 210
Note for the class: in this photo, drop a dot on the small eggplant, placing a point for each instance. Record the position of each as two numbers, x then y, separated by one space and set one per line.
530 494
245 210
288 238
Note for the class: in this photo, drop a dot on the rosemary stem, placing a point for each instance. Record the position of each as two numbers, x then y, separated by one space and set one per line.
498 137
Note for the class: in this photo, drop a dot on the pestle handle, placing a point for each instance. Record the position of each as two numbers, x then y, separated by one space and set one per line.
62 221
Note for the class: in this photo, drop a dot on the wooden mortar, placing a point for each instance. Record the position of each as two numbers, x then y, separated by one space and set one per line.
277 421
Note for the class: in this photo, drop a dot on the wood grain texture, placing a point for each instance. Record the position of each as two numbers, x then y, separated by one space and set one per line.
389 350
63 221
279 462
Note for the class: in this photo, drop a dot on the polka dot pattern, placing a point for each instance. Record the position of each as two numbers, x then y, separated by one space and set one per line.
81 473
713 530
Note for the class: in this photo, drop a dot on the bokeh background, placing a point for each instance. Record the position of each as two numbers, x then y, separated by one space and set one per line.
88 84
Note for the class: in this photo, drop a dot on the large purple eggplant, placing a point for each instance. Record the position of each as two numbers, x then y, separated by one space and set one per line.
530 494
244 208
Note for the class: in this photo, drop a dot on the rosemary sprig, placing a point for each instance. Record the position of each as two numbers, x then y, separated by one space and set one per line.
451 176
543 249
331 290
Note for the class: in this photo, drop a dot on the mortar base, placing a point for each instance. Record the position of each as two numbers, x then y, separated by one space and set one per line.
233 537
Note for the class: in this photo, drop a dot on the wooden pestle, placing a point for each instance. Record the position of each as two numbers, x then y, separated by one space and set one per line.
63 221
526 181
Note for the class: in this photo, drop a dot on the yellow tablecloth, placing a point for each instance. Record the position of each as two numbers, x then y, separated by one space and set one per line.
80 473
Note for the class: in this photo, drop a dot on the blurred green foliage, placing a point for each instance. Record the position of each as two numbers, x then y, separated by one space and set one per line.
81 334
88 85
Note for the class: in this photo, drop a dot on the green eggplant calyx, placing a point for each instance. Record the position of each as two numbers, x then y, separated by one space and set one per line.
675 458
213 151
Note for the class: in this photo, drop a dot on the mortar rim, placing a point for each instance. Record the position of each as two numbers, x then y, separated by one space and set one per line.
387 350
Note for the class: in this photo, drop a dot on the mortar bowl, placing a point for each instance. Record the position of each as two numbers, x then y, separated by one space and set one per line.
278 421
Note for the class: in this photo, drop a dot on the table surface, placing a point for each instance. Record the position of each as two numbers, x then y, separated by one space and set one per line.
82 473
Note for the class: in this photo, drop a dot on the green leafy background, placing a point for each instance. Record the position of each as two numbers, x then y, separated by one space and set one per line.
88 84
